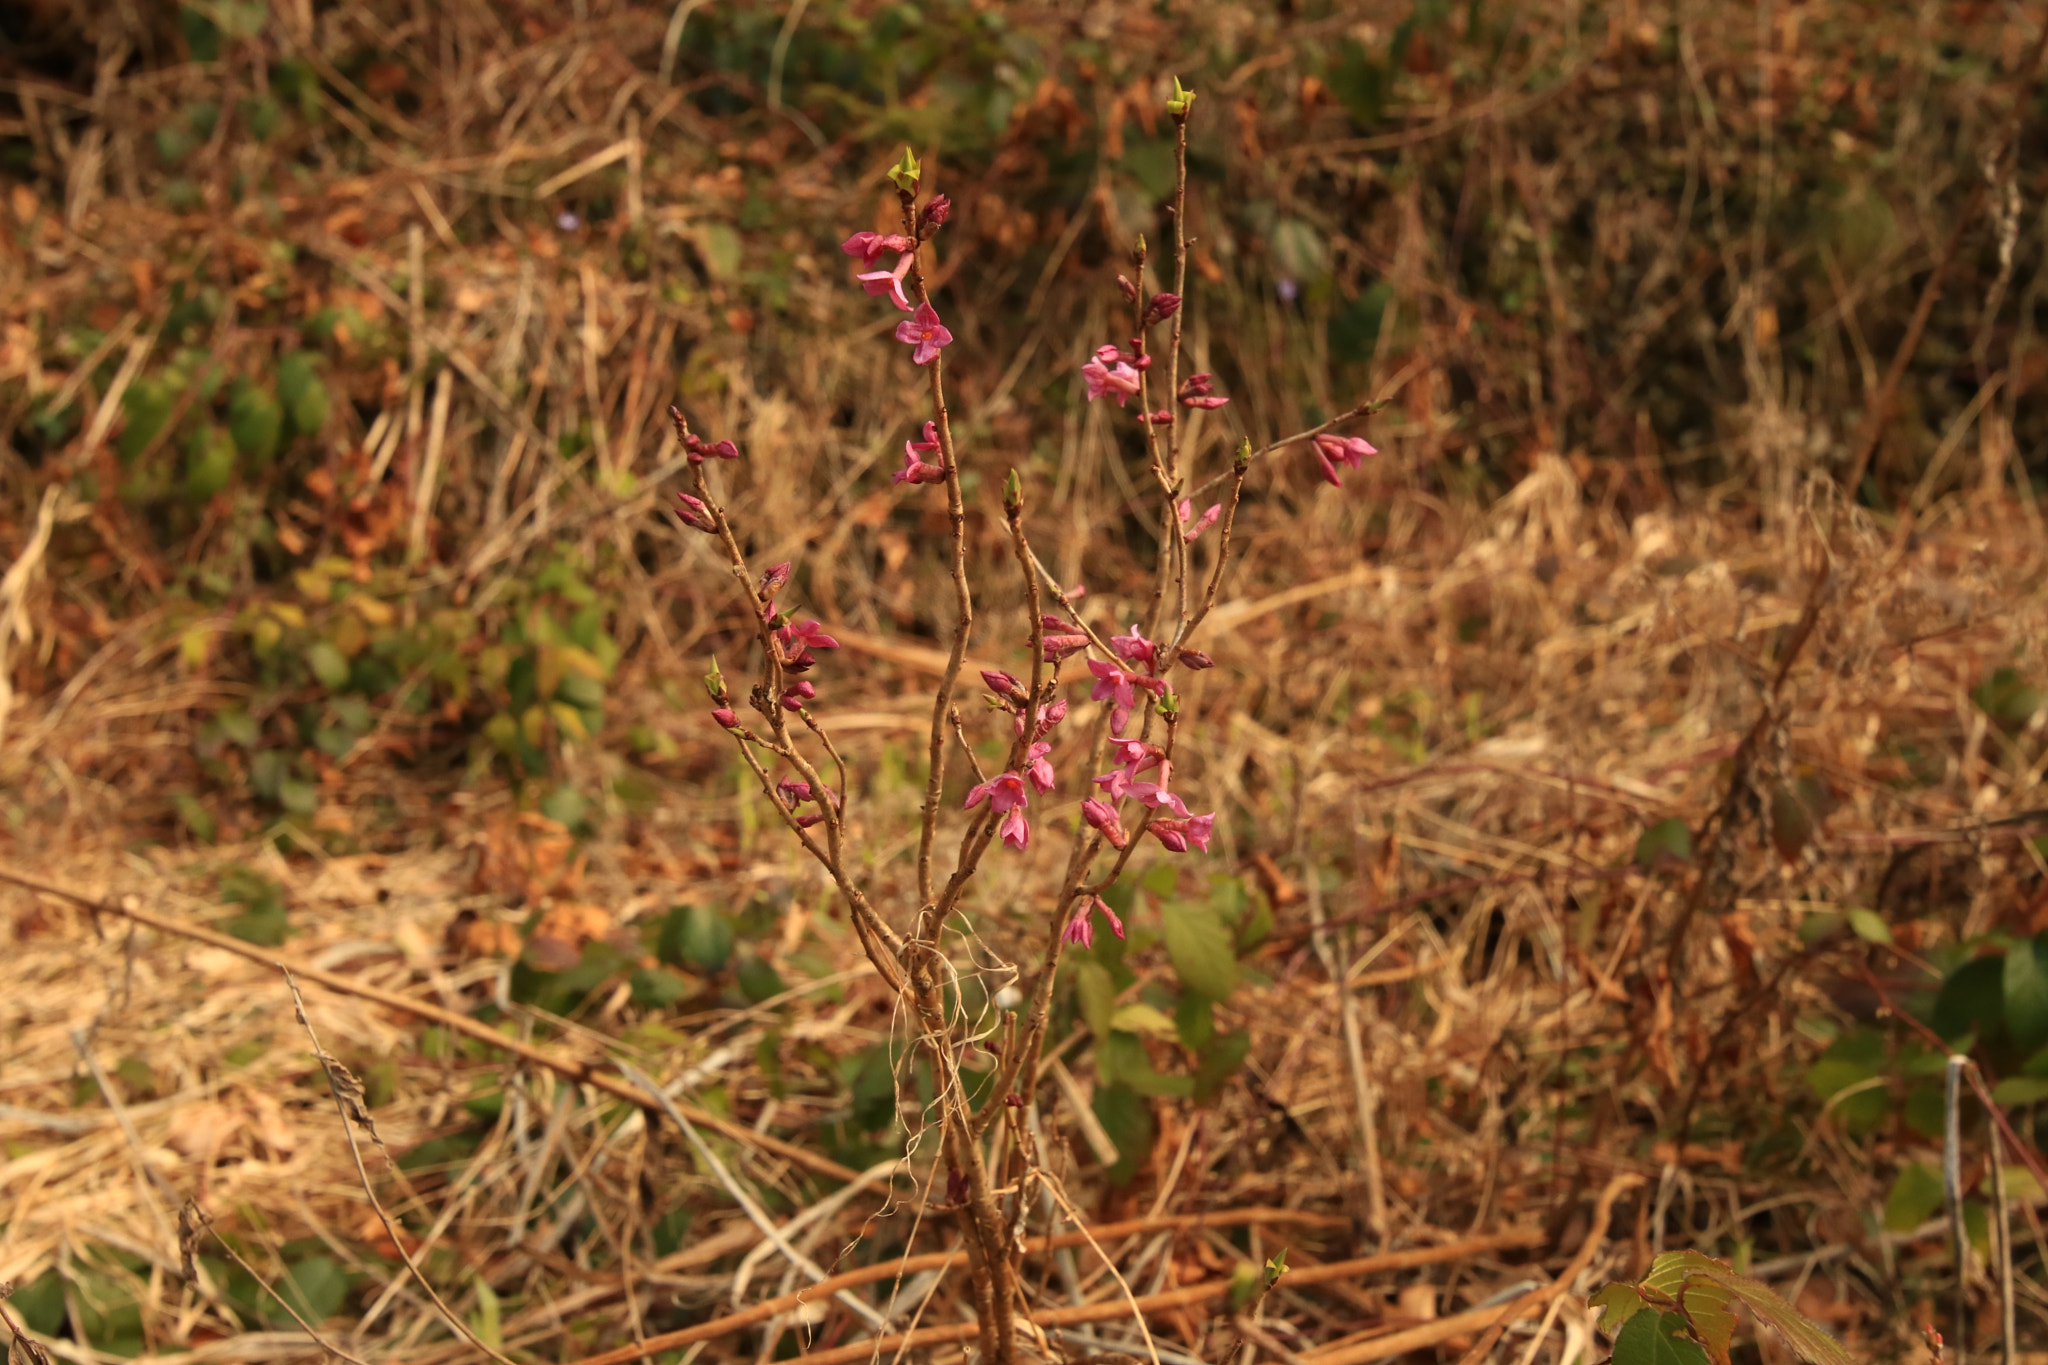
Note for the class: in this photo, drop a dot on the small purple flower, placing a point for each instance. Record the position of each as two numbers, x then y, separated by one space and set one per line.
797 693
1015 830
567 221
1134 647
1080 930
923 331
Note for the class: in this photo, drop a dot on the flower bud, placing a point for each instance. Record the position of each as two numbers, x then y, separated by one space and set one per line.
1162 307
725 717
1013 494
1161 418
1001 683
905 174
1180 101
714 684
1060 646
1103 817
1129 290
1196 659
693 513
773 581
797 693
934 214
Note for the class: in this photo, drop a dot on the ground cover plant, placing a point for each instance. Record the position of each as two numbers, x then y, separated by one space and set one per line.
1530 896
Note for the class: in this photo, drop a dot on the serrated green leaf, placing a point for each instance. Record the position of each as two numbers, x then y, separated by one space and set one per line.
1704 1301
1200 947
1654 1338
2026 992
1674 1273
1618 1302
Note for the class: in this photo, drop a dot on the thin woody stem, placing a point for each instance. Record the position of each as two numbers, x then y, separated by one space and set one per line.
1362 410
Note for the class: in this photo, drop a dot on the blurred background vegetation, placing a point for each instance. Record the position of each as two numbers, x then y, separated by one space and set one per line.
346 329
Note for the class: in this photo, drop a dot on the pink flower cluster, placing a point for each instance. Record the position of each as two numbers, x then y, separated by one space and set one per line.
1120 381
1007 792
921 331
793 793
1081 928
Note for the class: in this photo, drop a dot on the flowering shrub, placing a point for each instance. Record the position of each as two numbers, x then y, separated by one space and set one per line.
788 744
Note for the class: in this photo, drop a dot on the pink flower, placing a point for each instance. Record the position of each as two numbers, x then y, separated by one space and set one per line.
916 469
1159 418
1103 817
773 581
724 716
1134 647
1080 929
1112 685
1137 755
1038 768
1016 830
870 245
796 643
1004 792
694 513
1349 451
1060 646
1177 835
793 792
1002 684
1121 381
1155 795
889 282
925 332
797 693
1204 522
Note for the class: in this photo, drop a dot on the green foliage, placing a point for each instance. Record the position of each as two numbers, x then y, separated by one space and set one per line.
1682 1313
1667 841
696 938
263 919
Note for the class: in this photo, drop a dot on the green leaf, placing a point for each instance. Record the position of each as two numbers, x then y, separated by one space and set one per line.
718 246
1971 999
1095 992
2018 1090
1199 945
1138 1017
694 937
758 980
1666 841
1120 1060
147 406
2026 992
488 1322
1915 1197
657 988
303 394
328 664
1704 1301
256 421
197 819
1653 1338
316 1286
1674 1273
298 796
209 462
1869 926
1618 1303
1127 1118
1218 1062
